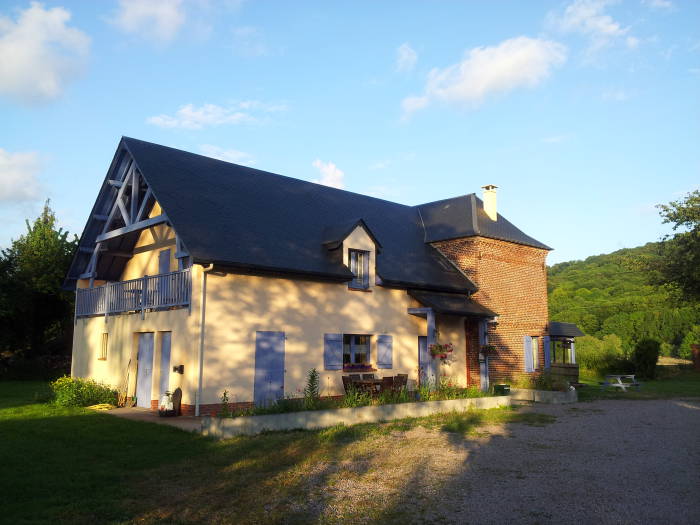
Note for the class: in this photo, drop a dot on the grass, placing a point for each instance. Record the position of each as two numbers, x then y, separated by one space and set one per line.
673 382
79 466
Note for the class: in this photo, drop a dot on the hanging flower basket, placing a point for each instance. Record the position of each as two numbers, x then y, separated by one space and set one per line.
488 350
441 351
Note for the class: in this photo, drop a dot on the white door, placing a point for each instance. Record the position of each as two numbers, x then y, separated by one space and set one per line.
144 375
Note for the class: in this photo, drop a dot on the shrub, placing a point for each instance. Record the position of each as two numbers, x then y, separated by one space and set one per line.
645 356
691 338
77 392
599 355
356 398
311 390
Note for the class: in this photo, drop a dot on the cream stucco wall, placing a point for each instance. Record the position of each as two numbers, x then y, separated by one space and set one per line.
239 305
122 349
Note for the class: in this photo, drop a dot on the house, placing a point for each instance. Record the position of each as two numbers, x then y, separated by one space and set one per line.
203 275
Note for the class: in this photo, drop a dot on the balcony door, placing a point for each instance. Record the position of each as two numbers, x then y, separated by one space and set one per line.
164 282
144 374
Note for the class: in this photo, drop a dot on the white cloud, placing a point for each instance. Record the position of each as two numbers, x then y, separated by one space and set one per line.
554 139
158 20
659 4
588 17
632 42
249 42
380 165
39 53
406 58
18 176
228 155
517 62
331 175
190 116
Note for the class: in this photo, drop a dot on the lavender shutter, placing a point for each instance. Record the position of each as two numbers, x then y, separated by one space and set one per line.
483 338
385 345
547 356
365 270
527 345
333 351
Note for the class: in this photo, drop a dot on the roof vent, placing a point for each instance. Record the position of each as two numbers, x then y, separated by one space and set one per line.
490 201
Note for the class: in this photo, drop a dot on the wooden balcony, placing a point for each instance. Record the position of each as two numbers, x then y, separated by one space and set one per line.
152 292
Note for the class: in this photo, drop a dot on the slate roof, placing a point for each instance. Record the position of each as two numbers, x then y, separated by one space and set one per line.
465 217
450 303
251 220
557 329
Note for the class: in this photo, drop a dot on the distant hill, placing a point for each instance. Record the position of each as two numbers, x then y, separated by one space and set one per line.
608 294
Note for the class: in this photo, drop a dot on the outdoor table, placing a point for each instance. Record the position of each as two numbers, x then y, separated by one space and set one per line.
615 381
370 385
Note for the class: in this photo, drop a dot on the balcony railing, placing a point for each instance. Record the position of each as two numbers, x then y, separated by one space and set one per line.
151 292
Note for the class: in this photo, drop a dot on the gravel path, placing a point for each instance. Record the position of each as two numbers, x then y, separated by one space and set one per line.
600 462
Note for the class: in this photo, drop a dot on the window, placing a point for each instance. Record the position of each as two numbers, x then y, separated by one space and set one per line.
103 347
560 350
535 352
359 266
356 350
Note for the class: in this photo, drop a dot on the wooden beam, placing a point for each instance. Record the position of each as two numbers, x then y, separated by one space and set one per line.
115 183
122 209
124 255
141 225
134 195
142 209
88 275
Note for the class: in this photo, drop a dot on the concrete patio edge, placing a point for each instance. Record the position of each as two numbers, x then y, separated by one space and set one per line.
310 420
543 396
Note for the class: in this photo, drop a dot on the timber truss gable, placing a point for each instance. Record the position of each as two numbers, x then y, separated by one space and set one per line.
122 211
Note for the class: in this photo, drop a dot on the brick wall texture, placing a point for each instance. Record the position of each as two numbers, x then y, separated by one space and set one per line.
512 281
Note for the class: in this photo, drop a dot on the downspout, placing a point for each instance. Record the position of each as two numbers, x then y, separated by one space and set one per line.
202 319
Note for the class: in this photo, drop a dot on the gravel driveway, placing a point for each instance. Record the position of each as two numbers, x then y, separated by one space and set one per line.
600 462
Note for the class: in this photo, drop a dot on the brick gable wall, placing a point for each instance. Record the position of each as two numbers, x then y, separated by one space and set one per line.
512 281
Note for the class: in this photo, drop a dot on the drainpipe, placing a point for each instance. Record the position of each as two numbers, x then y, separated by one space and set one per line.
202 319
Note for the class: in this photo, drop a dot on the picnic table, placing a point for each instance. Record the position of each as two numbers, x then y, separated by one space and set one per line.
616 381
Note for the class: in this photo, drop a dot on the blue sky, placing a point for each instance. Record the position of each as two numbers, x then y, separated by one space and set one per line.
585 113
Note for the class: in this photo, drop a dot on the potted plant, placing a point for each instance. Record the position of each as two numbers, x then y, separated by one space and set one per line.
441 350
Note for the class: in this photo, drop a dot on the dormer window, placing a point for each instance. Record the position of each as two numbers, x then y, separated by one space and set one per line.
359 266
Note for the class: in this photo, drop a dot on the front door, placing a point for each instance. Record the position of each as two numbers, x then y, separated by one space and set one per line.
268 386
144 375
426 363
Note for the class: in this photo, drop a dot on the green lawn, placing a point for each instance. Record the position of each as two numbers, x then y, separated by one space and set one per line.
671 383
77 466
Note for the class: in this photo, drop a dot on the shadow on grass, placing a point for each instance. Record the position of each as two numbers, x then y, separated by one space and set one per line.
74 465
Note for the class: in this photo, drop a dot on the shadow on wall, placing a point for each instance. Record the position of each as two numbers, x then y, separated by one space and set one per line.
240 305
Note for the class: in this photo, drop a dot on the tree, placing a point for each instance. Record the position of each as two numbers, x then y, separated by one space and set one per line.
35 313
679 264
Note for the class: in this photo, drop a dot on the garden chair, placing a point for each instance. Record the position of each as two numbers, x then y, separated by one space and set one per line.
347 384
387 384
400 381
177 399
367 376
354 377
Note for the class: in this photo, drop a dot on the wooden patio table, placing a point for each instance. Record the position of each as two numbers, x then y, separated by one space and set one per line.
374 386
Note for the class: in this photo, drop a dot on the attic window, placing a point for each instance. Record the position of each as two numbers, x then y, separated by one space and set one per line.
359 266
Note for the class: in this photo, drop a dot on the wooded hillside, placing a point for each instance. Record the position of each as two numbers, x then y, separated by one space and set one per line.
609 295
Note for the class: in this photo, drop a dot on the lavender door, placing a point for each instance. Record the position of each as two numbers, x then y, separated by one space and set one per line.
268 385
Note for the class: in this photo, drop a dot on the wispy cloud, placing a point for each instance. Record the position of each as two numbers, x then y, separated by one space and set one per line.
484 71
331 175
588 18
190 116
249 42
406 58
228 155
615 95
158 20
659 4
40 53
18 176
380 165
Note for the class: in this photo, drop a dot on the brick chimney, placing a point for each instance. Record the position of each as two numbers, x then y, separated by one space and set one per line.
490 201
